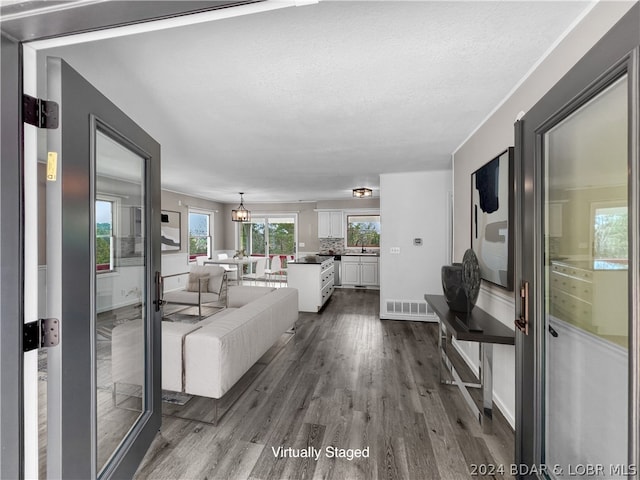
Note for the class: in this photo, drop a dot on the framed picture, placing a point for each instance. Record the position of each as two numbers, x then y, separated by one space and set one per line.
492 217
170 230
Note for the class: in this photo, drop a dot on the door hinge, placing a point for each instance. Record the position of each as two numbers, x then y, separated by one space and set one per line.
44 332
40 113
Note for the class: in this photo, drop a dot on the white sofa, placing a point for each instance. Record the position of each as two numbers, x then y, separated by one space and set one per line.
207 358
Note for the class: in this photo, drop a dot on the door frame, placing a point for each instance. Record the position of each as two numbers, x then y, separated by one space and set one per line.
617 51
17 53
11 263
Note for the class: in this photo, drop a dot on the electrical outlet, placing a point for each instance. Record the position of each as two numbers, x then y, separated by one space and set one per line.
301 244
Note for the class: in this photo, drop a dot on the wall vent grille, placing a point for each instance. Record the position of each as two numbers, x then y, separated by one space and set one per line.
408 307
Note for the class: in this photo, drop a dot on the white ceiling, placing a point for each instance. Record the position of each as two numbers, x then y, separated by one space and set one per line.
305 103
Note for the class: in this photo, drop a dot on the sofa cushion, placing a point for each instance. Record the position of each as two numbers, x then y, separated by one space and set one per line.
173 335
189 298
214 317
127 352
217 355
242 295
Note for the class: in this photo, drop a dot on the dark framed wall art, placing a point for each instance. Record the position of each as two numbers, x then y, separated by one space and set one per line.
170 230
492 218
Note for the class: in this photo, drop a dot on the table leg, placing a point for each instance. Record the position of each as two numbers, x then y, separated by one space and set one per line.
486 380
440 349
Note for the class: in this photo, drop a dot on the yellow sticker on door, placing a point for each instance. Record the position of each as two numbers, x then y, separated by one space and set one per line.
52 166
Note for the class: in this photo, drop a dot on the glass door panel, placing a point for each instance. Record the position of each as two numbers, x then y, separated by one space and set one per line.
282 240
258 239
121 292
586 293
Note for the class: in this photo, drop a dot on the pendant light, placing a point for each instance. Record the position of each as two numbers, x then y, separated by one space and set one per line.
362 192
241 214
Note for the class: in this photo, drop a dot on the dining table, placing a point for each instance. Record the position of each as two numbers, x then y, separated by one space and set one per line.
239 262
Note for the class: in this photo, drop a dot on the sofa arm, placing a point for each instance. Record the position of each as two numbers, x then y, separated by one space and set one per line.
173 336
127 353
238 296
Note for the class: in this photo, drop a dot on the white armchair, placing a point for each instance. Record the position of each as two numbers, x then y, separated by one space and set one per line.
206 284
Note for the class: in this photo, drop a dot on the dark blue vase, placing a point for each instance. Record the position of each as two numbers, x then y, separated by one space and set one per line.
453 288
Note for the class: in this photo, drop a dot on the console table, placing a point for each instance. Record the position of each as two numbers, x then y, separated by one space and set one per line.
475 326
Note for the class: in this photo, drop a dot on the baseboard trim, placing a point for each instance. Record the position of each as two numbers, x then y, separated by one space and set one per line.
508 415
411 318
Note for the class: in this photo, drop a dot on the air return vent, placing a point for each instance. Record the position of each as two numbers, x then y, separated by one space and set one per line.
408 307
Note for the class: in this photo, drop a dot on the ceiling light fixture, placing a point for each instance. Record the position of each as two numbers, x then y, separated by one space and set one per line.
241 214
362 192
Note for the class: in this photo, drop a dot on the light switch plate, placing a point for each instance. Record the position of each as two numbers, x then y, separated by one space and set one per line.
394 250
301 244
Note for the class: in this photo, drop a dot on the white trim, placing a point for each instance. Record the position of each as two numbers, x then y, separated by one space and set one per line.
411 318
48 9
168 23
504 410
31 270
496 398
533 68
473 365
506 298
351 211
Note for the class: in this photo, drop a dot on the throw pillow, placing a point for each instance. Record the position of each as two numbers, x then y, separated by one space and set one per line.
194 282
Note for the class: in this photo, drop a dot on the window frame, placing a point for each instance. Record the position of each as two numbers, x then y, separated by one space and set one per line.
600 205
209 237
115 228
363 214
266 217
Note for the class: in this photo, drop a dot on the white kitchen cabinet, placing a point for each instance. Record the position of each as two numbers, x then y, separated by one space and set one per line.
360 270
314 281
350 272
330 224
369 271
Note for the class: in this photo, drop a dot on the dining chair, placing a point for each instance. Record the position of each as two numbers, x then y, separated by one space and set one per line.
232 270
260 272
276 268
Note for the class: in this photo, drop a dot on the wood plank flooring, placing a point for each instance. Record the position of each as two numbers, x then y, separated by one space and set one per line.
346 380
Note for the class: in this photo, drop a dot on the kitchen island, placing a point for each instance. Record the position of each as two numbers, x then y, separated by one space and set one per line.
312 275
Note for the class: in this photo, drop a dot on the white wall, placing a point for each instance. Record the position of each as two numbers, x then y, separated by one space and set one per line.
172 264
178 202
120 288
491 138
416 269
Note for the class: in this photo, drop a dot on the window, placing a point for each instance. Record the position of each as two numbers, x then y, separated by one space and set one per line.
104 236
199 234
272 235
610 237
363 231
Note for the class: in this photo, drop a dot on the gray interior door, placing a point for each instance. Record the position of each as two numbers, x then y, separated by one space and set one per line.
577 371
103 252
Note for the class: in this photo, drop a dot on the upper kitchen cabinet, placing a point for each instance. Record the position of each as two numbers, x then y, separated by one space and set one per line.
330 224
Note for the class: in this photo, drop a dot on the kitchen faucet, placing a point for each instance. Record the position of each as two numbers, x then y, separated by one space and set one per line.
361 240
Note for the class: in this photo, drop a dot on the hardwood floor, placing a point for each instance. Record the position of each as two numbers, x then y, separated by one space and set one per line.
346 380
